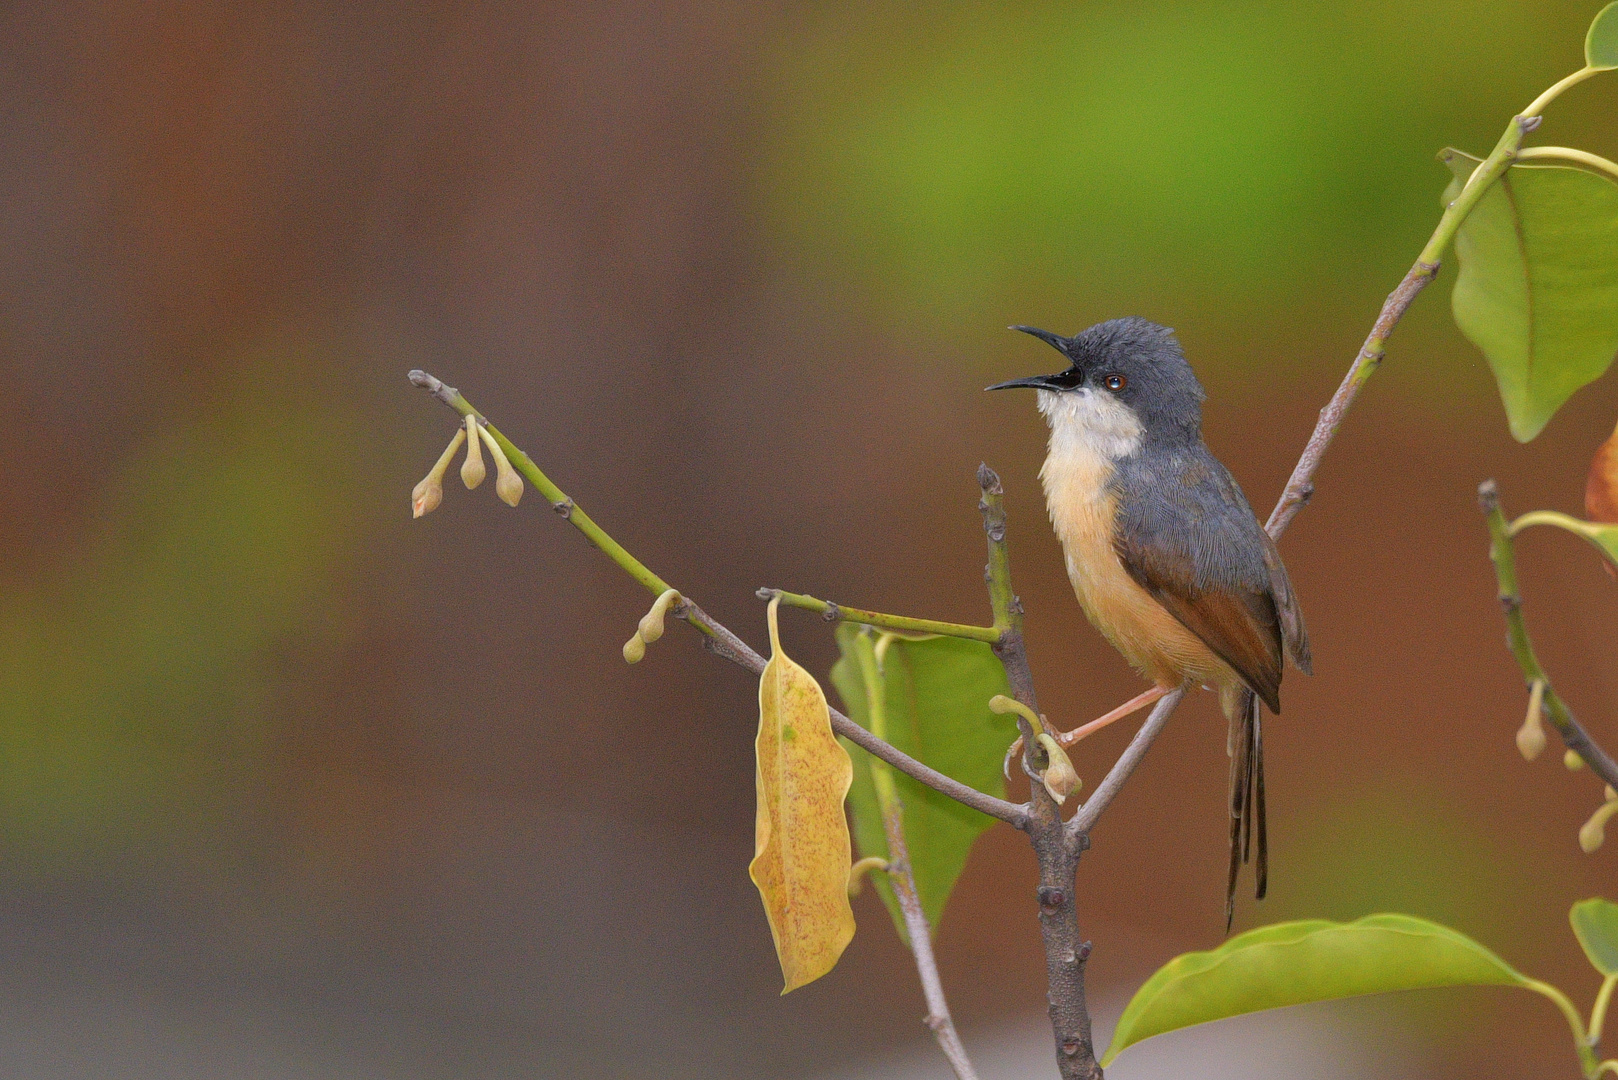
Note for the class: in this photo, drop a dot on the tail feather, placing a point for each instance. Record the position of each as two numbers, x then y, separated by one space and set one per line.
1247 810
1262 869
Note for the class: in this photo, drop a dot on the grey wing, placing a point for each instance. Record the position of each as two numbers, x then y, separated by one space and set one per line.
1294 635
1189 538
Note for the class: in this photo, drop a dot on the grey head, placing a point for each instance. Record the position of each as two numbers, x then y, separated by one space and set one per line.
1133 361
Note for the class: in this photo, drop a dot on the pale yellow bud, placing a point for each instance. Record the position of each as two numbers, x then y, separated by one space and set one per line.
1060 778
857 872
1594 831
1531 736
1002 705
1573 761
507 484
430 492
651 624
427 495
634 650
472 470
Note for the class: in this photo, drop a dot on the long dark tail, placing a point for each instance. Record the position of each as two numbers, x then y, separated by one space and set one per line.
1246 799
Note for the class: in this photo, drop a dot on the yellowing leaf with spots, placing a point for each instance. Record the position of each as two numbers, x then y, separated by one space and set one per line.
801 857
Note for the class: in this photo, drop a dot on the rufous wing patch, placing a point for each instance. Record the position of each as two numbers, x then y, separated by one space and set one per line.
1239 625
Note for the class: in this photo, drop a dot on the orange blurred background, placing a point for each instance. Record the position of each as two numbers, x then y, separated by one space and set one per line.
292 786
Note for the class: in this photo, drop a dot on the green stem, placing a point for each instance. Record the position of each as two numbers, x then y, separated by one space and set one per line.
903 623
1547 517
1522 647
1550 95
887 795
1598 1015
1002 601
1587 1056
1581 158
559 500
1477 185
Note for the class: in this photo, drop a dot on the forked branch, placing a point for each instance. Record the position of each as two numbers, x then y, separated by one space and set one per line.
1555 709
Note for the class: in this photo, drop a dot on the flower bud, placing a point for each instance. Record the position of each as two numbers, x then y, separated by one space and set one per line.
1001 705
1594 831
430 492
427 495
651 624
507 484
1531 736
1573 761
1060 778
634 649
472 470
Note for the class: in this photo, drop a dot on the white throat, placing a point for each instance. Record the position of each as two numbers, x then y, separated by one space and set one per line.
1088 426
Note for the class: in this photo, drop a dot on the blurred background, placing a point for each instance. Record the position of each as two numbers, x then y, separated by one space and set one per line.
292 786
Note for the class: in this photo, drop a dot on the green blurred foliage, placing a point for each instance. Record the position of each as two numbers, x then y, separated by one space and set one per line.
136 671
969 164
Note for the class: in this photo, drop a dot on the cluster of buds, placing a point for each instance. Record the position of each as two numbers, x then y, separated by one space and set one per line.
507 484
1059 776
650 628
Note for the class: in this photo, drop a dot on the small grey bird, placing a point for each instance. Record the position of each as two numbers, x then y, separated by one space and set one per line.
1165 555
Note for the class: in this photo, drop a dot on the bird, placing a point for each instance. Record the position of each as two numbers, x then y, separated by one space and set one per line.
1163 551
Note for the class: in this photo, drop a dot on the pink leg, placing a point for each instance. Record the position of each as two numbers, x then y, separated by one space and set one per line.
1133 705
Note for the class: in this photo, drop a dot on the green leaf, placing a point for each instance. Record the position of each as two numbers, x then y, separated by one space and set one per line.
1538 286
1299 962
1595 924
1603 536
938 693
1601 43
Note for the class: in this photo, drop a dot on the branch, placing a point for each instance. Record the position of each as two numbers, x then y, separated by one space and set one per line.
1505 570
1108 789
833 612
1301 485
1057 850
720 641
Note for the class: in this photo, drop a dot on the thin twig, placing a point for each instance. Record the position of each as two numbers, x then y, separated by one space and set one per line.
720 640
903 879
1505 568
1301 485
833 612
1108 789
901 876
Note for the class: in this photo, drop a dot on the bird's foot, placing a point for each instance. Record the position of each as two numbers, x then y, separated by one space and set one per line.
1068 738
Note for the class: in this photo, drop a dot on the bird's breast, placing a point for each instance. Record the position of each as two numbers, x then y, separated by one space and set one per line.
1083 502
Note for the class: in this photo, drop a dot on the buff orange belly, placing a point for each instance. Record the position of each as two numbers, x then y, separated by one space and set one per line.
1158 645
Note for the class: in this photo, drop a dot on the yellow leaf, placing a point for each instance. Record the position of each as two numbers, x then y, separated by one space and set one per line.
801 846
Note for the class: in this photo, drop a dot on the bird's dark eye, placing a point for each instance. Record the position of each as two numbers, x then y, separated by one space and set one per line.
1115 383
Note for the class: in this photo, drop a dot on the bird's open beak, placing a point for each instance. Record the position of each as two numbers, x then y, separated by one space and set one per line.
1039 382
1055 341
1033 382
